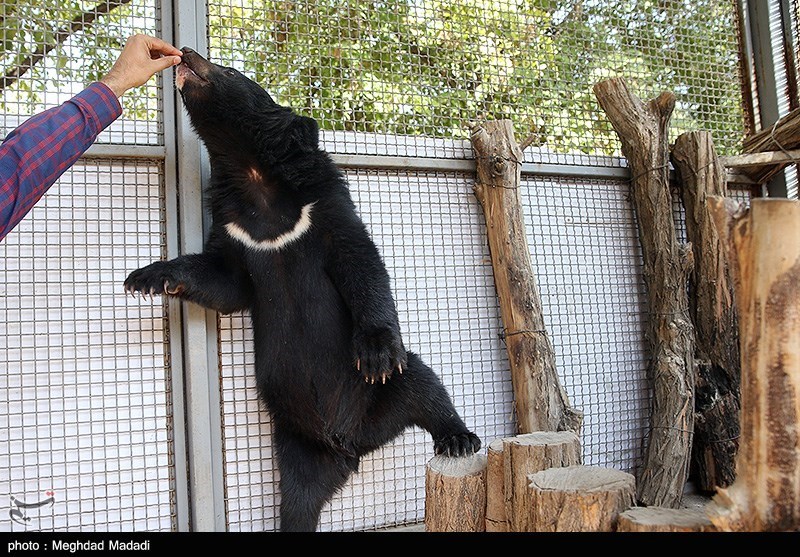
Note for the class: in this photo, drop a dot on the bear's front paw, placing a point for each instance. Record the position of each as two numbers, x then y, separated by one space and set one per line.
156 278
460 444
379 353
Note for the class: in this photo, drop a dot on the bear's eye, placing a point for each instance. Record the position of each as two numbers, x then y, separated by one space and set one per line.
230 72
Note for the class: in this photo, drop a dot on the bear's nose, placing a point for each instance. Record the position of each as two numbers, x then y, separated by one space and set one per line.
187 50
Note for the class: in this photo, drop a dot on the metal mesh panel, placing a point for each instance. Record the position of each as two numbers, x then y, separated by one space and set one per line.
428 68
51 49
430 231
794 24
786 83
793 180
84 369
408 78
251 478
587 260
586 256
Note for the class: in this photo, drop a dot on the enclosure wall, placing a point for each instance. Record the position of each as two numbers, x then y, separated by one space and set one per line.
136 414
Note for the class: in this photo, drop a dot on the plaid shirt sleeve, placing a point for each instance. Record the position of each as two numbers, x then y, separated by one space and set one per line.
37 153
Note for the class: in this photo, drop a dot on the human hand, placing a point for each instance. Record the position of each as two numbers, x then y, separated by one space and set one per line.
142 57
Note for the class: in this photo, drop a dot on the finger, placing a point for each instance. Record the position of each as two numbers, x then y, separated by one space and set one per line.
164 63
154 44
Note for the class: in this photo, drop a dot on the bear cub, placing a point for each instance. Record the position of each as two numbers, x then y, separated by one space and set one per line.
287 245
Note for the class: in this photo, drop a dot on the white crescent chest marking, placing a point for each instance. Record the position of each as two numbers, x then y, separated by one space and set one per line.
300 227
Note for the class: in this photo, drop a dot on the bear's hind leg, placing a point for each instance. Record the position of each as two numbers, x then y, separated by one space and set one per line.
417 397
310 476
433 411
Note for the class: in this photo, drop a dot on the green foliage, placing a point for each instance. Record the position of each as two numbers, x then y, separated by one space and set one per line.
29 28
428 67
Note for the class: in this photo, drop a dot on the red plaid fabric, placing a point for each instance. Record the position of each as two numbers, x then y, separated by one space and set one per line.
37 153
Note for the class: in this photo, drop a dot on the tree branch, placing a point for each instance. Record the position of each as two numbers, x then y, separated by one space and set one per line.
82 21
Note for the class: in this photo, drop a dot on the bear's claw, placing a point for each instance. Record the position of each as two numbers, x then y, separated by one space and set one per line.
154 279
379 353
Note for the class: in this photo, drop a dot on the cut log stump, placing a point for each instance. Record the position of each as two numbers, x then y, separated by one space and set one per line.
529 453
662 519
455 494
578 499
495 492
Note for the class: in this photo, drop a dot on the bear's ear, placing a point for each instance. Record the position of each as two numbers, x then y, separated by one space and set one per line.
304 133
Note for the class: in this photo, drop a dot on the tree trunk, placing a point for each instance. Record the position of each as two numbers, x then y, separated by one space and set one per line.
764 244
716 431
540 400
643 128
525 454
578 499
80 23
455 494
660 519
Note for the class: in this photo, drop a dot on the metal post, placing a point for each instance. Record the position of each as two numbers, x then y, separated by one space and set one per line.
200 353
766 70
183 516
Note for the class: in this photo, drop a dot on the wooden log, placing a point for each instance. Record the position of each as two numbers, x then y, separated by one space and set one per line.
713 312
529 453
764 243
540 401
761 159
783 136
578 499
495 488
643 129
661 519
455 494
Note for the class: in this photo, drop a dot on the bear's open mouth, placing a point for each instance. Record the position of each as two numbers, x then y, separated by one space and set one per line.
185 72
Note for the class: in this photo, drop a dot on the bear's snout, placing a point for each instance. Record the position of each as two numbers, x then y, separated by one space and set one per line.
193 69
195 60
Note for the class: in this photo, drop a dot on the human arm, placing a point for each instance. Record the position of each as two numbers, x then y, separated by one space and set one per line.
38 152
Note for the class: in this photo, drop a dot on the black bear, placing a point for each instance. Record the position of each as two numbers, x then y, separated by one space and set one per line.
286 244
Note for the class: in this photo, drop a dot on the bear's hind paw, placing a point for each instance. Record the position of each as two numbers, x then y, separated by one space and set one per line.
460 444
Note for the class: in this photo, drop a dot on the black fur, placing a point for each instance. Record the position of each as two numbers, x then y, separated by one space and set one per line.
331 366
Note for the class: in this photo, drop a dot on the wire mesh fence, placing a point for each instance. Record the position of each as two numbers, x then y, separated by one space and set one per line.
586 256
428 68
401 78
51 49
85 410
87 371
